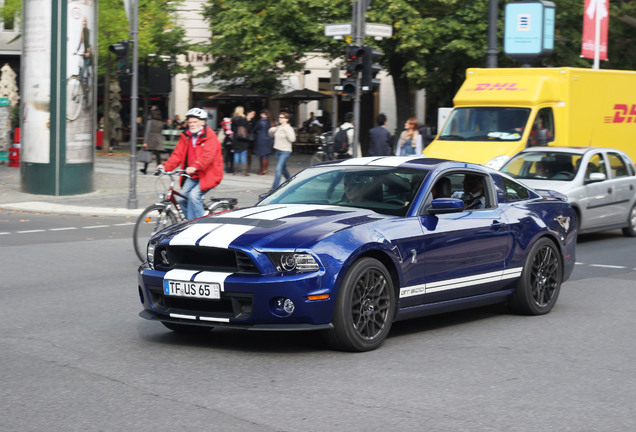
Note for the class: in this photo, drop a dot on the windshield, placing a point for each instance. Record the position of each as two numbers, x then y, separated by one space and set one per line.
547 165
387 190
485 124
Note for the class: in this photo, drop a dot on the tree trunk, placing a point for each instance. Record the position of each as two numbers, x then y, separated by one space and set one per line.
402 93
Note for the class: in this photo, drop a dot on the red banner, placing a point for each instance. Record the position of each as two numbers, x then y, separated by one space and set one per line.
589 28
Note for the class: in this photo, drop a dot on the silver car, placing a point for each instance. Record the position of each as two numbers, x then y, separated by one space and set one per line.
599 183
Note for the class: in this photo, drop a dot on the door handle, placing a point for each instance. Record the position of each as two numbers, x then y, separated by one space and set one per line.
496 225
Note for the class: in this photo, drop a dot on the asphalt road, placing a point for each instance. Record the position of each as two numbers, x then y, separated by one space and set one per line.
76 356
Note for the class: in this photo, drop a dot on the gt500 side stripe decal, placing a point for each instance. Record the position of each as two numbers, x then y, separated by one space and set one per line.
460 282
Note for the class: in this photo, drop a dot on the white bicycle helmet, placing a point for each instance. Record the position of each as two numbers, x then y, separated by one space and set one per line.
198 113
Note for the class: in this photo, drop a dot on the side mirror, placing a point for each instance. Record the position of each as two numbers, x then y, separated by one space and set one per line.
596 177
446 205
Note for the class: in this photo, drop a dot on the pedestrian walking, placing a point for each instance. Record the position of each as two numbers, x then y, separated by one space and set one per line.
284 137
240 140
262 140
153 138
380 138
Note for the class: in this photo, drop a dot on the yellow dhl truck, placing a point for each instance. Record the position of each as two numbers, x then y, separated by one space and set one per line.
498 112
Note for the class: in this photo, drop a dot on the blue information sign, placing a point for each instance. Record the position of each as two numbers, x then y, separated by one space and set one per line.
529 29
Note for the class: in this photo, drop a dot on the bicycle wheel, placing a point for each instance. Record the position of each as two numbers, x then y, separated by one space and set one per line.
151 221
74 97
317 158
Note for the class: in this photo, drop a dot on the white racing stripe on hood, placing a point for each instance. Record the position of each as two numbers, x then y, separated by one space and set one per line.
242 212
180 275
290 210
193 233
226 234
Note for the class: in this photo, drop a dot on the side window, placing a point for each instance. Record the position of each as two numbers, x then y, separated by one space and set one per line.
617 164
595 165
515 191
471 188
542 131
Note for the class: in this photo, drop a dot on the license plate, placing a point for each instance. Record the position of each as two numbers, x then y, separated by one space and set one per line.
207 290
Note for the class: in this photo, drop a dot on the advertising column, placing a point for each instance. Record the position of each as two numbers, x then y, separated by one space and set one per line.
58 115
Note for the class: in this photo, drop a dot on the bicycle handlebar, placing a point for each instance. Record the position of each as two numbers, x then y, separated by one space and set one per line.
178 171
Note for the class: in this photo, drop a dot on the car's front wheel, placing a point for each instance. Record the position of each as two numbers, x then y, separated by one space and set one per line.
630 229
364 308
538 288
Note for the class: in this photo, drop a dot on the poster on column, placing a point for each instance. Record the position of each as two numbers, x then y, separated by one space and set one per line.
589 28
80 92
36 81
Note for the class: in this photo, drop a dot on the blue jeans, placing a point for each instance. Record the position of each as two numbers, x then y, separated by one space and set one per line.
281 167
193 206
240 157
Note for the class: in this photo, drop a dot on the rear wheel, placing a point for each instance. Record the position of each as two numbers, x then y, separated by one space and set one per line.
364 308
150 221
538 289
630 229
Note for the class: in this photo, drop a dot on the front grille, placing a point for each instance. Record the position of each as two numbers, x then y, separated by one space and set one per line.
231 305
204 259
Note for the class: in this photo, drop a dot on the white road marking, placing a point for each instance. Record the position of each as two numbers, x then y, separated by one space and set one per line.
96 226
29 231
62 229
608 266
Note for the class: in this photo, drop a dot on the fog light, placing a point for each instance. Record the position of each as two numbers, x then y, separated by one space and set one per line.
282 306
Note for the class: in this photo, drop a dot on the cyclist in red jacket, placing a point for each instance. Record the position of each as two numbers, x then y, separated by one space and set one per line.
198 151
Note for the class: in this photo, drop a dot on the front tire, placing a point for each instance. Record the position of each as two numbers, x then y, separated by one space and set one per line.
538 288
364 308
630 229
150 221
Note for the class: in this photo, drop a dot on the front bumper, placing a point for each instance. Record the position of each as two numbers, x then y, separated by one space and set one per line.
247 301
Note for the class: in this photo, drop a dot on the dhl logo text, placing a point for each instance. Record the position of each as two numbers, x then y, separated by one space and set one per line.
496 87
623 114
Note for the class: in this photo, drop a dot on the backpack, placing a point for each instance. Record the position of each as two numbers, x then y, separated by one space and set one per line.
341 141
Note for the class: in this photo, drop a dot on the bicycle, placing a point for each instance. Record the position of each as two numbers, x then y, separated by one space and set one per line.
168 211
325 150
78 90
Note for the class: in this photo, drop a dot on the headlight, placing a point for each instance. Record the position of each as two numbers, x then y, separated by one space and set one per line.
497 162
292 261
150 251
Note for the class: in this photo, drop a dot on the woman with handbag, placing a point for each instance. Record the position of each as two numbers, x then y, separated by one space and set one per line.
241 139
153 139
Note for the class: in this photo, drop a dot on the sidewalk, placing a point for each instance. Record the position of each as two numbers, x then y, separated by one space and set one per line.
112 190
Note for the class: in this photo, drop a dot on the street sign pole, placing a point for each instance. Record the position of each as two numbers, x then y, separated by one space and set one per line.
358 23
132 196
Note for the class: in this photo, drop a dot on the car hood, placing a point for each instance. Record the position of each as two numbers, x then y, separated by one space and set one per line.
270 227
560 186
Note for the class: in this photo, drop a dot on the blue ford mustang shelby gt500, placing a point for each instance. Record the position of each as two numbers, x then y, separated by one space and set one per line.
352 246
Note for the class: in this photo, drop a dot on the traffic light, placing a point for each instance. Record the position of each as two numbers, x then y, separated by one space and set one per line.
120 49
370 69
349 87
354 60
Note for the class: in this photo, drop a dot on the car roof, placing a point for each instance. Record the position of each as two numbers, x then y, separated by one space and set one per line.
571 150
423 163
